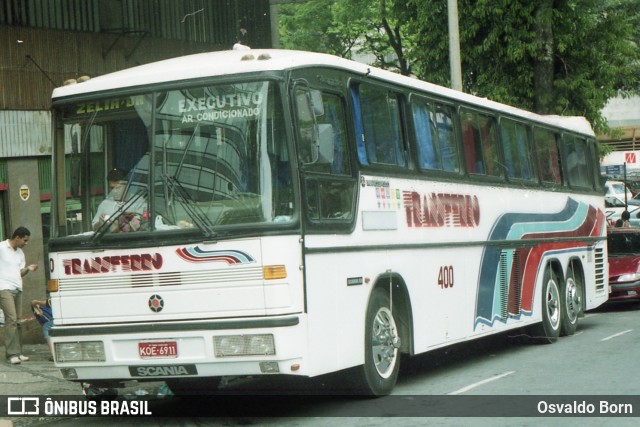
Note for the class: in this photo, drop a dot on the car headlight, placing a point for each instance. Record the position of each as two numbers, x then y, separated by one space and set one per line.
629 277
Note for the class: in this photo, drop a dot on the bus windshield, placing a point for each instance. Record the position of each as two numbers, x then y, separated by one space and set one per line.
204 157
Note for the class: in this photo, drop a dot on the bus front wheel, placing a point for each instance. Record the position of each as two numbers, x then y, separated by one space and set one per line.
379 374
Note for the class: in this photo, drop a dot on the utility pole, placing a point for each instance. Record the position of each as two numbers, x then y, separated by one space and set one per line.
454 45
274 10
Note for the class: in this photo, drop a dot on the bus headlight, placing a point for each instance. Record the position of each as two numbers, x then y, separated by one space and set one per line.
244 345
80 351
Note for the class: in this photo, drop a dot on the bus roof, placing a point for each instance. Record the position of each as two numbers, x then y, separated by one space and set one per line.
222 63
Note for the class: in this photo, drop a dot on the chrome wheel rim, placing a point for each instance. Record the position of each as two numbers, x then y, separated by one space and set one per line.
553 304
574 300
383 337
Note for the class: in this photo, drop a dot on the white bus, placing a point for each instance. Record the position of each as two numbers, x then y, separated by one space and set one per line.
295 213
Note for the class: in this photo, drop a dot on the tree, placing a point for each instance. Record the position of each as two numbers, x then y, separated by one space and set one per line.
348 28
564 57
309 26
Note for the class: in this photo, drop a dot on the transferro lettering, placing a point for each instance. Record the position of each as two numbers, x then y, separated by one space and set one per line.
441 210
112 264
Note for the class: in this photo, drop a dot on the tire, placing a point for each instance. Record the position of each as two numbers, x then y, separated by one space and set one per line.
193 386
571 303
549 330
379 374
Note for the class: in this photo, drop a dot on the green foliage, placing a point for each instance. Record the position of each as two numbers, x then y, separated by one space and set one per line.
307 26
346 28
568 59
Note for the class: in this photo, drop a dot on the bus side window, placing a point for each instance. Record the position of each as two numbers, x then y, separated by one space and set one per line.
333 119
547 156
426 137
577 162
480 144
379 126
472 149
443 120
516 151
433 126
329 185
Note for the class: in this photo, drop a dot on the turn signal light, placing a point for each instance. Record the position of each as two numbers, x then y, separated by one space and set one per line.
271 272
52 285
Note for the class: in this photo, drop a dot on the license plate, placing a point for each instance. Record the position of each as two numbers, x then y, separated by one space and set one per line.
148 350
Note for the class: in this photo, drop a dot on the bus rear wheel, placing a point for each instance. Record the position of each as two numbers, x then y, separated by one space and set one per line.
549 330
571 303
379 374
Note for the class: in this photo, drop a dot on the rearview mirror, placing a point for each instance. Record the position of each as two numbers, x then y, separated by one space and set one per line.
324 144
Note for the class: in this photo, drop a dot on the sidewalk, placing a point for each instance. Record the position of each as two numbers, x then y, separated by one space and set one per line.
40 377
37 377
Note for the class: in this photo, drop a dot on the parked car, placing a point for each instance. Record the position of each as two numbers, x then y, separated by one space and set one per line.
617 189
614 208
624 263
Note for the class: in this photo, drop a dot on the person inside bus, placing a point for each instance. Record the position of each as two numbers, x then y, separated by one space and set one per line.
126 195
623 221
117 185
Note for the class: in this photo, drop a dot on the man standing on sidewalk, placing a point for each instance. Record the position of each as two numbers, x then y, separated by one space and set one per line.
12 270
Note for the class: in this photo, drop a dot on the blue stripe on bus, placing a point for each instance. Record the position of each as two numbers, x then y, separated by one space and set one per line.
514 226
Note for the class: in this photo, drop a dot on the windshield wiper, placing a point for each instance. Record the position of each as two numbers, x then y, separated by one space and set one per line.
195 213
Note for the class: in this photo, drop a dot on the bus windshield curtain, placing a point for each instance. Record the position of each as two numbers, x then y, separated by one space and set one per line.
427 155
333 118
357 119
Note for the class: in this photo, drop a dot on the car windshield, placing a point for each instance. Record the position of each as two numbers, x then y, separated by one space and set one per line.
620 244
615 188
205 157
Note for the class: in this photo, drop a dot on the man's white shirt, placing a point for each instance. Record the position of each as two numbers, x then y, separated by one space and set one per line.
11 262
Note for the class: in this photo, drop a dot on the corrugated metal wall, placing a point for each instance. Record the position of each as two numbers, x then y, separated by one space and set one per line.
45 42
34 61
78 15
25 133
204 21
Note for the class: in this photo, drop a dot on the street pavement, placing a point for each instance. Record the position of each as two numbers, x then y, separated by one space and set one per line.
40 377
37 377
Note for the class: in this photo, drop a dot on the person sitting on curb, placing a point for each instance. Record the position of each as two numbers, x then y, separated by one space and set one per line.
42 311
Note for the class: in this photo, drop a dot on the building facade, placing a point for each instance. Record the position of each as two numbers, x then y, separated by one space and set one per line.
623 115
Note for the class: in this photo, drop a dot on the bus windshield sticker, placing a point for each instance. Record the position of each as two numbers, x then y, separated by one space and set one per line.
220 107
108 105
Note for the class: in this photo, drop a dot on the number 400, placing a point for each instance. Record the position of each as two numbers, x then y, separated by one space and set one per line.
445 277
